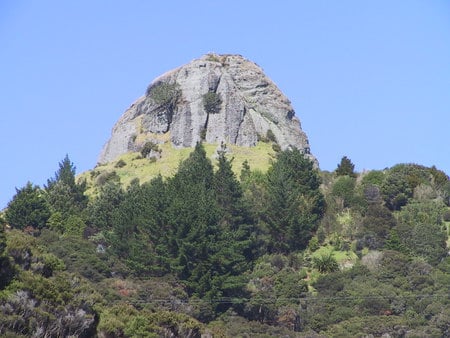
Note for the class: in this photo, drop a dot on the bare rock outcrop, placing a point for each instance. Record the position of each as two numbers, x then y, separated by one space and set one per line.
217 98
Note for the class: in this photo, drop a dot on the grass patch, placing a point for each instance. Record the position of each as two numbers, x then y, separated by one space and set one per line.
259 158
345 259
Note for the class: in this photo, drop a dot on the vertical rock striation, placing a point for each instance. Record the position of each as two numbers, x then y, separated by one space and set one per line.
217 98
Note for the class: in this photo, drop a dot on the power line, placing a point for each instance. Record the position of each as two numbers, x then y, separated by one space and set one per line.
268 300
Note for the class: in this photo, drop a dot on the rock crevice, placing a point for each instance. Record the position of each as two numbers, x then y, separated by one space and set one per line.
249 105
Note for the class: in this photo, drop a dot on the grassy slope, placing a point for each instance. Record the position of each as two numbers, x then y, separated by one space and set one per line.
258 157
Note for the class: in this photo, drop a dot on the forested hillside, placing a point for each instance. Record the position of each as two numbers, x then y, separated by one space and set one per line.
289 251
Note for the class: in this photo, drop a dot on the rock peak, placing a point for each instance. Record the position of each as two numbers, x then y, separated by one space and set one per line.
216 98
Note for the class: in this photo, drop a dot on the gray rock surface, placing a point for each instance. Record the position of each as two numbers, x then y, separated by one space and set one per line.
250 105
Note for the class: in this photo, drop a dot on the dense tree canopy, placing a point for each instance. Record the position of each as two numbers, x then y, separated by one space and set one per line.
201 252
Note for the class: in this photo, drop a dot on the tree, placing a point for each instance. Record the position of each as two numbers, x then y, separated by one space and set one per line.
212 102
100 211
229 194
65 174
63 193
344 189
399 184
140 234
237 245
345 167
193 216
375 226
6 270
295 201
420 230
28 208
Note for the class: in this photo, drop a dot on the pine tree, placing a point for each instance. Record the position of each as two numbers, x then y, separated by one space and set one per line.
63 193
236 242
100 212
295 201
65 174
345 167
193 216
228 192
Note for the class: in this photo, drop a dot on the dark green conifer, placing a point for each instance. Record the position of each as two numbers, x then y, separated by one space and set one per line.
295 201
28 208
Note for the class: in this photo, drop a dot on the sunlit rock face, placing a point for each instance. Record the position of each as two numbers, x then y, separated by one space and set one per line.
214 99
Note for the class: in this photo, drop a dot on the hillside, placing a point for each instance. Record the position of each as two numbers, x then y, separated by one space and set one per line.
207 216
289 251
133 165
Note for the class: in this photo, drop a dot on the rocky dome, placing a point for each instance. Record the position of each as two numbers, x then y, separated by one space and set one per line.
214 99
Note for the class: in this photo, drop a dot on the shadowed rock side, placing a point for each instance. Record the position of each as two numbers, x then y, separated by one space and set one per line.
217 98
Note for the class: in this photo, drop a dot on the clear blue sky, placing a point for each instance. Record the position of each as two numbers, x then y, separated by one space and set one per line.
368 79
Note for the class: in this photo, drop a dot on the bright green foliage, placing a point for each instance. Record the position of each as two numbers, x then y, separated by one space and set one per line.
373 177
28 208
345 168
295 201
325 262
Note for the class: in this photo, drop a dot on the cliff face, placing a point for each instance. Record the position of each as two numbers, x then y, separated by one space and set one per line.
217 98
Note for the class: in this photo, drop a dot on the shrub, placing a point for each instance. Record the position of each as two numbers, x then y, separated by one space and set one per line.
165 95
447 216
212 102
325 262
108 176
120 164
276 147
270 136
148 148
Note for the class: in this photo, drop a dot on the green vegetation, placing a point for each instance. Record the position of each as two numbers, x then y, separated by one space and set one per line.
182 247
146 150
165 95
28 208
346 167
212 102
